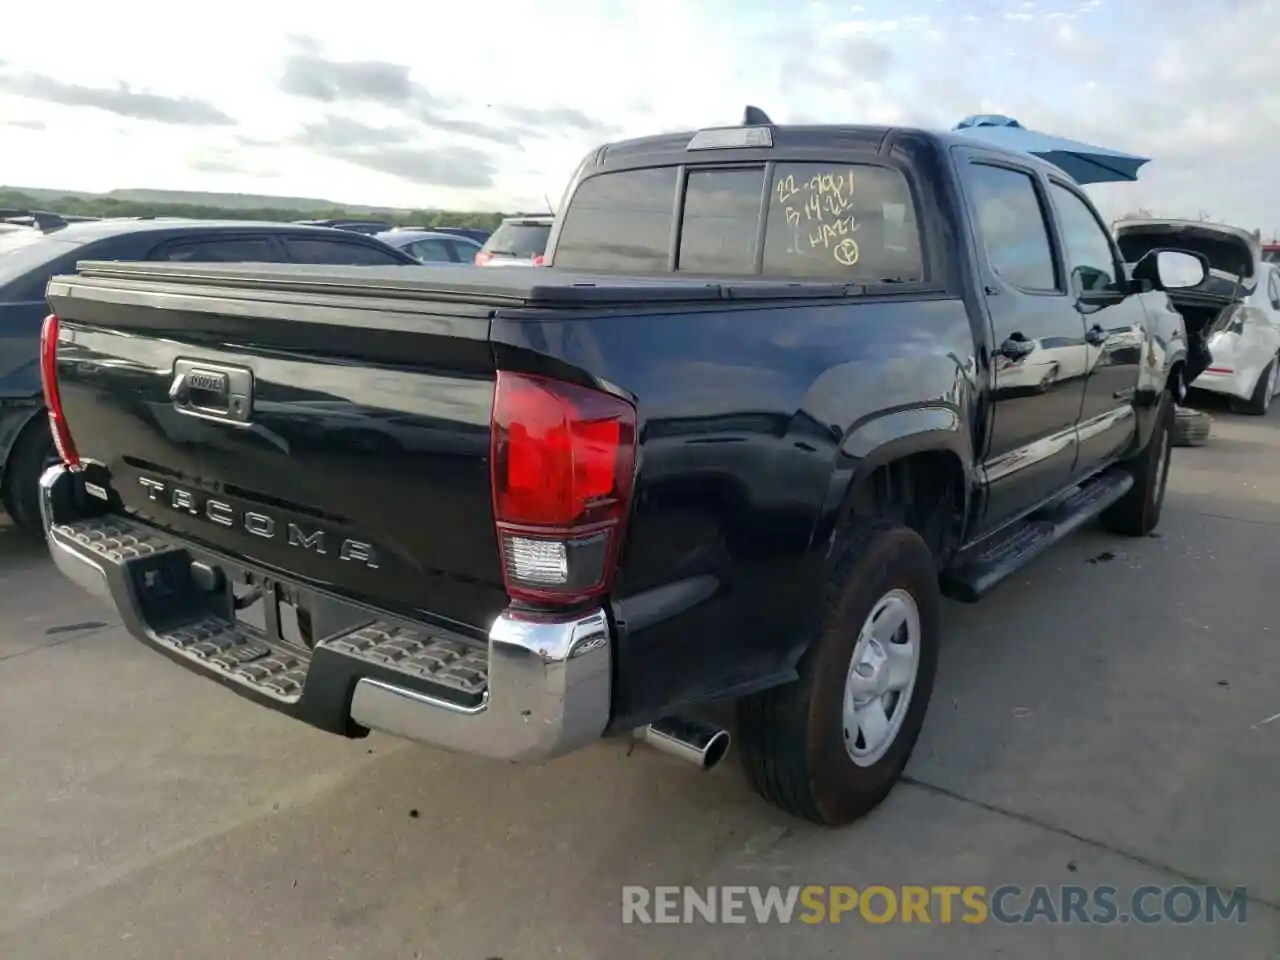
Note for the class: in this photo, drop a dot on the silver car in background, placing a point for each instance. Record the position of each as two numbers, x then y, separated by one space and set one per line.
518 242
430 246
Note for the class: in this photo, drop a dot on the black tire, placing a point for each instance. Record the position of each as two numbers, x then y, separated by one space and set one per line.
1190 427
33 451
793 736
1258 404
1138 512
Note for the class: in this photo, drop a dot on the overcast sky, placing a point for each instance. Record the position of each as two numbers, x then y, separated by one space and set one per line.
491 104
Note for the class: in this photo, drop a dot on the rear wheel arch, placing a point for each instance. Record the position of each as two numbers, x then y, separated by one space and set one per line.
924 488
1258 402
1149 397
799 741
1265 370
24 463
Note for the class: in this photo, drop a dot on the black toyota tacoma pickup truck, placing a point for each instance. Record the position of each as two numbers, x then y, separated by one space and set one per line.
781 389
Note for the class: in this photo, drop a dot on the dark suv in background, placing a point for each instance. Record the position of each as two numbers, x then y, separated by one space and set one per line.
29 256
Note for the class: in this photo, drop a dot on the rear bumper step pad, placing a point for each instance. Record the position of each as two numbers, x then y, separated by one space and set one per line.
536 690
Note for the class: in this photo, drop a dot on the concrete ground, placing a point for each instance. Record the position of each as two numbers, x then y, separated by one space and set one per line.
1101 719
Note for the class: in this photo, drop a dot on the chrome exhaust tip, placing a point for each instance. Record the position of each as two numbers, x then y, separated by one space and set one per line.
698 743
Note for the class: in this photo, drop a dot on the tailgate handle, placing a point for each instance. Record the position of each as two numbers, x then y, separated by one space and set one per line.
212 391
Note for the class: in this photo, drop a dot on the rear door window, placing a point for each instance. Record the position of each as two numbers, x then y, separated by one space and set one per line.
1012 225
433 250
465 252
221 250
619 223
338 252
721 216
849 222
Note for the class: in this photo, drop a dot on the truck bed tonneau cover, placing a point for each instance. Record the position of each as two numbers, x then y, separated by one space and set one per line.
498 287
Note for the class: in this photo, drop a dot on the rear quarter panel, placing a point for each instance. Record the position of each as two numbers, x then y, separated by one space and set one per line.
753 421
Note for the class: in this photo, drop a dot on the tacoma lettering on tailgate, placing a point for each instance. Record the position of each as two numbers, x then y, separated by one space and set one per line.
257 523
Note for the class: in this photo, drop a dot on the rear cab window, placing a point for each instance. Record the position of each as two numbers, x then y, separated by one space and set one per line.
464 252
853 221
523 239
619 222
718 229
804 220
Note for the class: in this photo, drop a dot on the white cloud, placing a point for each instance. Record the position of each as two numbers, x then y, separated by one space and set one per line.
491 105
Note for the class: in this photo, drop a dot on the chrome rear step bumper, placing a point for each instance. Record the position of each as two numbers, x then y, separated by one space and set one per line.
537 689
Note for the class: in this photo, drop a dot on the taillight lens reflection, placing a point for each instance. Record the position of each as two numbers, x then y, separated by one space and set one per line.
52 397
562 459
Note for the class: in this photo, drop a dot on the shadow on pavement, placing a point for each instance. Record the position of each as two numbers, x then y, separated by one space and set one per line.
16 544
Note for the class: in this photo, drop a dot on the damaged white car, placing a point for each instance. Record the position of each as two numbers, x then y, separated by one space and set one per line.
1234 312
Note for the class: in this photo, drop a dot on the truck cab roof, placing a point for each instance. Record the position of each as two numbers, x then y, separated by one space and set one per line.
821 139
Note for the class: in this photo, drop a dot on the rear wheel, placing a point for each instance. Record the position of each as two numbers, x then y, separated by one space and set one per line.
830 746
1260 402
1138 511
31 454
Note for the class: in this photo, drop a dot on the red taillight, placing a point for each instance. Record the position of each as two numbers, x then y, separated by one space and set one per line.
483 257
563 460
52 398
539 260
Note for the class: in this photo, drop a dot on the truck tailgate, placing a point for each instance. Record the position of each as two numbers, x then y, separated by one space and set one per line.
340 439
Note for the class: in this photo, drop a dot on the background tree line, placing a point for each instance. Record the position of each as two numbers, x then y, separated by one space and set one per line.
116 207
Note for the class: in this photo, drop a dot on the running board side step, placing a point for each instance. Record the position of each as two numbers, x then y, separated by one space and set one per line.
981 567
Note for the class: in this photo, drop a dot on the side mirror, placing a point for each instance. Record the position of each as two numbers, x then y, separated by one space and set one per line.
1172 269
